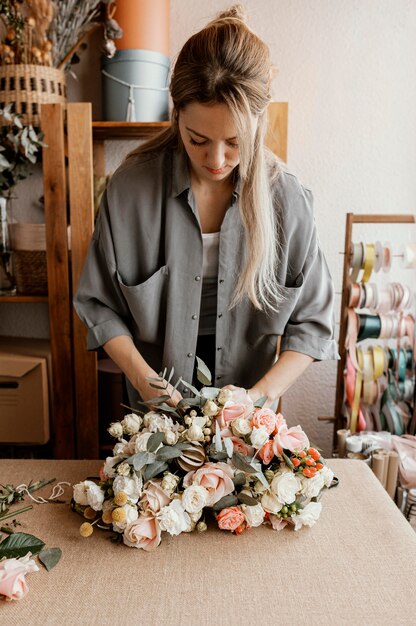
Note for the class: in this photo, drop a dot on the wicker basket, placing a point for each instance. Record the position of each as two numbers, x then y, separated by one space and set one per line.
29 86
29 258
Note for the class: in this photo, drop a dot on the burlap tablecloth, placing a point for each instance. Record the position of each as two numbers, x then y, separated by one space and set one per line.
357 565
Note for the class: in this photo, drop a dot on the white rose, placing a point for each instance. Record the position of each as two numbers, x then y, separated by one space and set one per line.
80 492
158 423
116 430
131 486
285 486
311 487
95 496
109 463
195 517
254 514
169 483
307 516
123 469
224 396
122 448
131 424
173 518
259 436
131 515
270 503
259 487
140 443
171 437
194 498
241 427
327 474
210 409
194 433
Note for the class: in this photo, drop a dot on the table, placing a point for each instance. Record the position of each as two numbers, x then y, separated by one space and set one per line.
357 565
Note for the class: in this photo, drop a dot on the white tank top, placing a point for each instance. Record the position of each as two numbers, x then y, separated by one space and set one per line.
211 243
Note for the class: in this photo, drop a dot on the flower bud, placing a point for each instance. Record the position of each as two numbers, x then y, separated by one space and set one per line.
86 529
210 409
116 430
201 527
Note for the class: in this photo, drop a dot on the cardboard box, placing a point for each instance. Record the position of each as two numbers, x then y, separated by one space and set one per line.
24 391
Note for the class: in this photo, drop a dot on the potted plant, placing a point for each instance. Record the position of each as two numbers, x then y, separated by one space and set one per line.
19 150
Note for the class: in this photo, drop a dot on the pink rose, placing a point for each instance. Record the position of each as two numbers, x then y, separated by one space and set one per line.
280 421
266 452
154 497
265 418
239 445
215 477
230 413
12 576
278 523
292 439
230 518
143 533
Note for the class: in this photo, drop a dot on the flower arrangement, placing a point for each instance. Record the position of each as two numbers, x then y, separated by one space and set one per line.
46 32
215 452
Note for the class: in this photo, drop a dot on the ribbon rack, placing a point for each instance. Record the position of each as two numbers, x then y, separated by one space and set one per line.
375 388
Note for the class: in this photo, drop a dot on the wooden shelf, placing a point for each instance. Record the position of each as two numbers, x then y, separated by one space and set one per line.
21 298
126 130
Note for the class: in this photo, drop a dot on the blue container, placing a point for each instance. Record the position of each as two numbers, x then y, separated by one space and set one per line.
135 86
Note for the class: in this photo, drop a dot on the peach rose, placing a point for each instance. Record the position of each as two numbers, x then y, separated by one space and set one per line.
266 452
154 497
215 477
143 533
292 439
230 518
13 584
280 421
264 417
239 445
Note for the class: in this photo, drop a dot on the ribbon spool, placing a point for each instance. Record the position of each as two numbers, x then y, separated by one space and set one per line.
408 254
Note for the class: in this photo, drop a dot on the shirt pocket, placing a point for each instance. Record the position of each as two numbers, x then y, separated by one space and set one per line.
147 305
270 325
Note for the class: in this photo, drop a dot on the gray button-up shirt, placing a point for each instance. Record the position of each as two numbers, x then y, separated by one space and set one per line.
143 275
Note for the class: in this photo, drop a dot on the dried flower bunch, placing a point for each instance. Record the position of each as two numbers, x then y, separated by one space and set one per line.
43 32
19 148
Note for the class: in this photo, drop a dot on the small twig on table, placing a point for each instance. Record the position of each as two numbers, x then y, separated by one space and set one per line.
13 513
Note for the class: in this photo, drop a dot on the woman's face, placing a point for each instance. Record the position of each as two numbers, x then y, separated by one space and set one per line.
209 136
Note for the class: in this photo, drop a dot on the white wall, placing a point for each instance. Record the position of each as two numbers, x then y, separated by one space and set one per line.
347 69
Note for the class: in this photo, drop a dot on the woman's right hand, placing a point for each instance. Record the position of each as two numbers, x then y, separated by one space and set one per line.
147 392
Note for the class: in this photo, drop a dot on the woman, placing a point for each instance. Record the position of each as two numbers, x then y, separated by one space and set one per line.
205 244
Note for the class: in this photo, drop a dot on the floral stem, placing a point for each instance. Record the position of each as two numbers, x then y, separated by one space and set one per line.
13 513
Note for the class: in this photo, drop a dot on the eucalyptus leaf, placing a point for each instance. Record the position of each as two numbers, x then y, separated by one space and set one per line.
153 469
159 399
246 499
239 479
274 405
240 463
50 557
192 388
287 461
154 441
140 459
229 446
184 445
210 393
219 456
230 500
168 452
260 402
262 479
218 441
19 544
171 374
203 374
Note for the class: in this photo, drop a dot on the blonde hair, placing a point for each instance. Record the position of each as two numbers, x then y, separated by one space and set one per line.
226 62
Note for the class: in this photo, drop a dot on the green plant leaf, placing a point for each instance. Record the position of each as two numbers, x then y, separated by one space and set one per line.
246 499
153 469
19 544
140 459
50 557
229 446
260 402
202 372
239 479
168 452
240 463
287 461
230 500
154 441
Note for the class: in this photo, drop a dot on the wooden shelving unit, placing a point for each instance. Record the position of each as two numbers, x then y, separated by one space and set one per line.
22 298
102 131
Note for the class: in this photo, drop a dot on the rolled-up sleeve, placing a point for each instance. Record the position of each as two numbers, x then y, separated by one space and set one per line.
311 324
99 301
